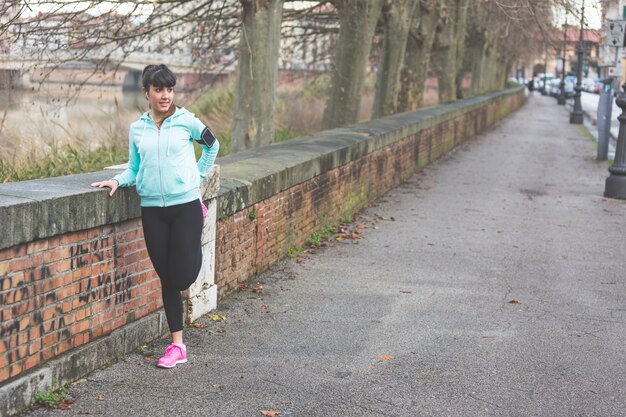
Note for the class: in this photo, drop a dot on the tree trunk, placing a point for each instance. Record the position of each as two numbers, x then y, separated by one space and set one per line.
478 46
253 123
460 46
447 52
479 66
417 55
357 19
397 18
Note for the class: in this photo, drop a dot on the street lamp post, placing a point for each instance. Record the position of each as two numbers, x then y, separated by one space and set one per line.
544 79
615 186
561 100
576 117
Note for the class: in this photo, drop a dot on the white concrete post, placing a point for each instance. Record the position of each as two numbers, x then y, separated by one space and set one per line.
201 297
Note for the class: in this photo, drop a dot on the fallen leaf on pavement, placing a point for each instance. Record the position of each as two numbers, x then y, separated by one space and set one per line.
242 287
514 302
66 405
216 317
149 358
100 397
198 325
406 291
258 288
386 357
361 226
270 413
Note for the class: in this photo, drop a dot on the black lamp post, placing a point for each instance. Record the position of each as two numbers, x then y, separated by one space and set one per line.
561 100
576 117
545 70
615 185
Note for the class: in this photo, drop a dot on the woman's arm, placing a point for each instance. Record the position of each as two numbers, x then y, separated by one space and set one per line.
128 176
208 142
207 159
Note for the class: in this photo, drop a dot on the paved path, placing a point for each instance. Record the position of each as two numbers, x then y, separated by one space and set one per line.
498 289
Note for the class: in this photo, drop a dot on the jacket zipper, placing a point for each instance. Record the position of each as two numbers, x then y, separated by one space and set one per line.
159 163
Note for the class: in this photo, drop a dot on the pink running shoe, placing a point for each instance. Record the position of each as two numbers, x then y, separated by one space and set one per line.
174 354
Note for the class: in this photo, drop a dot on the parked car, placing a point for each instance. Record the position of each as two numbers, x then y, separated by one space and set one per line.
553 87
597 87
588 84
569 88
542 82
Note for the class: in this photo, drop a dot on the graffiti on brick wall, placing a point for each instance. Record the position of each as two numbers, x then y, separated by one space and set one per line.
83 254
34 300
35 314
110 286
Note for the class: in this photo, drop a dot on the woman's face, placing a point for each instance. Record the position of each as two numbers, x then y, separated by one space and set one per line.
160 98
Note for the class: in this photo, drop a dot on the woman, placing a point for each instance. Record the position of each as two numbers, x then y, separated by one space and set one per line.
163 167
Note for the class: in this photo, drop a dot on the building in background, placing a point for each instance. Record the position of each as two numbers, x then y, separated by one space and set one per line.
611 10
566 40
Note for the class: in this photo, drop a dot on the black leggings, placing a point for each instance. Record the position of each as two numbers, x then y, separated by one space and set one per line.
172 236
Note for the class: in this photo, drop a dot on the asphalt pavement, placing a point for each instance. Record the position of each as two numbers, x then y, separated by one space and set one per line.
490 284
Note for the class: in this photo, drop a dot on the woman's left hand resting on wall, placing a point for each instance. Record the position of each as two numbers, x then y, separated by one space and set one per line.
112 184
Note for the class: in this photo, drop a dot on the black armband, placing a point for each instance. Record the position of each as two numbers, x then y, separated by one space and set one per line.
206 138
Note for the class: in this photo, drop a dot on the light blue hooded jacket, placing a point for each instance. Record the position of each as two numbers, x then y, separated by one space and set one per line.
162 163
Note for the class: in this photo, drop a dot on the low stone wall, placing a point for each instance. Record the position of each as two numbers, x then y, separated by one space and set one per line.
77 287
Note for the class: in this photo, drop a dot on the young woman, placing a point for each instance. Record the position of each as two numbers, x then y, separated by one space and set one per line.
163 167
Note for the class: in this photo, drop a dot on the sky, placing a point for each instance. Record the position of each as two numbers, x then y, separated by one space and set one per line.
593 15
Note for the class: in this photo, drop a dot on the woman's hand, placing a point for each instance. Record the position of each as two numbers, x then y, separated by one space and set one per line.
112 184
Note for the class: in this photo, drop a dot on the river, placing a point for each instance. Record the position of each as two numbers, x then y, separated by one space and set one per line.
90 117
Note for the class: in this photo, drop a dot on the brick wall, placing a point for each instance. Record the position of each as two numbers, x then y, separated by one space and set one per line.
62 292
74 269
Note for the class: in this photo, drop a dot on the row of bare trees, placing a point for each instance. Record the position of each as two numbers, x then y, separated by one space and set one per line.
404 40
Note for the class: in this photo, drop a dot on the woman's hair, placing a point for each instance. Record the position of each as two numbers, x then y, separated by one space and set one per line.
157 76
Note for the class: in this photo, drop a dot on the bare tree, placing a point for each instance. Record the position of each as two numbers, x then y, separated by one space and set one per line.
397 16
357 25
417 54
253 124
490 34
309 35
448 48
46 34
499 31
